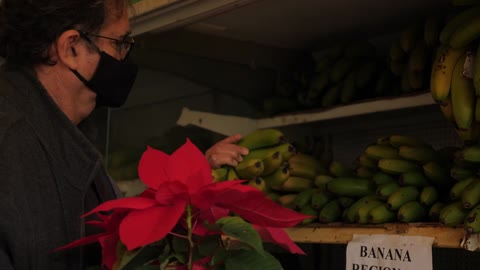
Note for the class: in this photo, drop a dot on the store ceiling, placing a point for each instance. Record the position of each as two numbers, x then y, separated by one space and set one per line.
300 24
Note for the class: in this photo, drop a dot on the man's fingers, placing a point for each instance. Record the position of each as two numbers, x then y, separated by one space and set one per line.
233 139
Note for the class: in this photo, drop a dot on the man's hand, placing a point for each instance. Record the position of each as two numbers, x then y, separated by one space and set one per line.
226 152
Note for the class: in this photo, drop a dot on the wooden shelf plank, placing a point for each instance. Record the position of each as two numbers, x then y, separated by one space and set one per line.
445 237
229 125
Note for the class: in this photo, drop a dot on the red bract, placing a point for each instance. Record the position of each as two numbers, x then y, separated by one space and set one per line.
108 239
181 179
278 236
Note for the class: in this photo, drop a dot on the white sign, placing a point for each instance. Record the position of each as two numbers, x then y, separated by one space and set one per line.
389 252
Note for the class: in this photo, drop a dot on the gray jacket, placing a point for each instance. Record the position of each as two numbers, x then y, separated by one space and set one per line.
48 168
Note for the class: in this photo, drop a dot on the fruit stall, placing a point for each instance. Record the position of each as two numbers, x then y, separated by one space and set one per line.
365 116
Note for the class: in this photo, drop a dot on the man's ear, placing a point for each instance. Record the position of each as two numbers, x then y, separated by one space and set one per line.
66 46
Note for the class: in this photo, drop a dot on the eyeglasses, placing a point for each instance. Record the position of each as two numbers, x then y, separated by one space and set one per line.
124 45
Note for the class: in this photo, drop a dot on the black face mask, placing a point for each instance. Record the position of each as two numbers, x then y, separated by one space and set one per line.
112 81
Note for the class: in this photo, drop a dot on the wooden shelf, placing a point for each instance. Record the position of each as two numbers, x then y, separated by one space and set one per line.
162 15
229 125
445 237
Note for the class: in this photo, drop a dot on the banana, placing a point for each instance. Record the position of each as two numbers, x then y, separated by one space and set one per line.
382 178
457 190
409 36
351 186
309 211
277 178
472 221
405 82
249 169
331 96
259 184
297 184
442 72
271 158
453 214
220 174
302 170
330 212
476 74
340 69
431 31
364 172
261 138
411 212
339 169
232 174
419 57
400 140
381 214
437 174
307 160
287 150
345 202
397 166
364 161
466 33
386 189
469 136
396 52
413 178
470 154
287 200
272 195
320 198
463 96
417 154
384 83
349 90
385 140
434 212
377 152
415 80
271 163
365 74
459 173
429 195
477 104
447 153
363 211
471 194
397 67
318 84
303 199
447 110
351 212
321 180
401 196
455 22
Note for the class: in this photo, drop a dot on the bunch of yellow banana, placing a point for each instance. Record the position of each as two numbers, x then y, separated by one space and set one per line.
410 56
455 76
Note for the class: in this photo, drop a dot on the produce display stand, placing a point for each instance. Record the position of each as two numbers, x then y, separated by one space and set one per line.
340 233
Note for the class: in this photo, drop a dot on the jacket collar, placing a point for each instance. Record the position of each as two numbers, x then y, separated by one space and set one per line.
68 147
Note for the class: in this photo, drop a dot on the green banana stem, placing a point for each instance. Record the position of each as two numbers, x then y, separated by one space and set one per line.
189 236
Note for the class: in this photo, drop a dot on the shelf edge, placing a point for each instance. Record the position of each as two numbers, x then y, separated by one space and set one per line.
229 124
445 237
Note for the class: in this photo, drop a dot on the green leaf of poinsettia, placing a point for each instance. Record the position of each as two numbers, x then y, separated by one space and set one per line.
241 230
131 260
248 259
208 245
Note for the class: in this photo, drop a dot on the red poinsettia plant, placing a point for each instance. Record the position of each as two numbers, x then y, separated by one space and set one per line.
186 221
